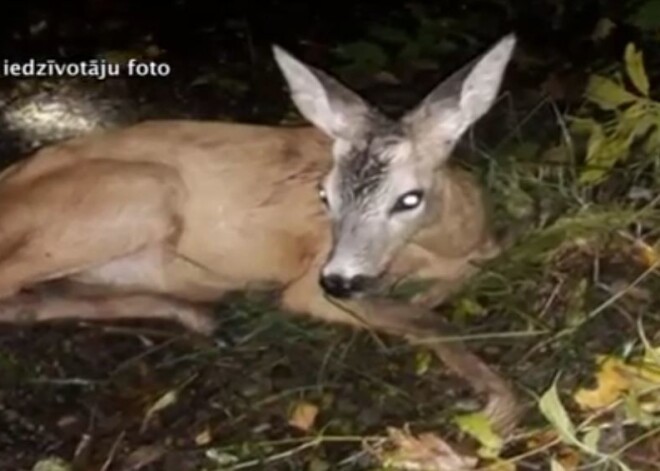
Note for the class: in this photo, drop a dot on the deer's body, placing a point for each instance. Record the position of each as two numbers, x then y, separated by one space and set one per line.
197 209
155 219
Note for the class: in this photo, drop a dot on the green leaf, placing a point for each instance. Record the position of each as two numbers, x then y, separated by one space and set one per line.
423 360
635 69
606 93
556 466
553 410
591 439
52 464
636 413
478 426
580 125
409 288
596 139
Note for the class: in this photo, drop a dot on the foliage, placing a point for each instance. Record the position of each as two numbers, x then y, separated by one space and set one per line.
631 119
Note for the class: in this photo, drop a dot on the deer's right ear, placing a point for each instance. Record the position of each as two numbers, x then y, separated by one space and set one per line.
322 100
457 103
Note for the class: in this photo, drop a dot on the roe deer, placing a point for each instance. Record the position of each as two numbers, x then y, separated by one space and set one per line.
162 218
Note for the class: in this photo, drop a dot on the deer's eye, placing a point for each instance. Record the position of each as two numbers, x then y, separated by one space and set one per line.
323 196
408 201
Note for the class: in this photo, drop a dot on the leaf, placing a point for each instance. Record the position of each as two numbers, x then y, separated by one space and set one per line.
52 464
581 125
478 426
635 68
143 457
502 465
636 413
603 29
568 458
647 254
610 386
602 154
591 439
423 360
606 93
651 354
221 458
426 452
303 416
553 410
407 289
596 139
166 400
556 466
204 437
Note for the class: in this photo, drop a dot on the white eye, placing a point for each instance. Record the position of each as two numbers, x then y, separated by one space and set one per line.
410 200
323 196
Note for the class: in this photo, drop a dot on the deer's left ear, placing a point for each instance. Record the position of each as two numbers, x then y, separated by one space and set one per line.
323 100
440 120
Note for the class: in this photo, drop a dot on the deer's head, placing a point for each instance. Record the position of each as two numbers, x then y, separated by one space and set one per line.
380 189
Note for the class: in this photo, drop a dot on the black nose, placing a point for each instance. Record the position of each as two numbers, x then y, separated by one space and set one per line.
340 287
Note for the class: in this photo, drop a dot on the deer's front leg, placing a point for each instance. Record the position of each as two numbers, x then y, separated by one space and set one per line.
414 323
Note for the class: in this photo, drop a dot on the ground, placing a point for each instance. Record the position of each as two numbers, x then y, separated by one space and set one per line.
570 312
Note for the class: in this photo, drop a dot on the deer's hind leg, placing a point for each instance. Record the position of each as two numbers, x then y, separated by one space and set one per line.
83 216
44 304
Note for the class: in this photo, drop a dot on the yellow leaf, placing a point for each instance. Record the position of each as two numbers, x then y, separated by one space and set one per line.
635 68
648 254
568 458
479 427
166 400
303 416
606 93
611 383
502 465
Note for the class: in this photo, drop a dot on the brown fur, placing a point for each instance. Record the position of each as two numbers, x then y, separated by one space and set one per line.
149 220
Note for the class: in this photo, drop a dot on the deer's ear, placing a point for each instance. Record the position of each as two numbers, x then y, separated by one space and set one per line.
440 120
323 100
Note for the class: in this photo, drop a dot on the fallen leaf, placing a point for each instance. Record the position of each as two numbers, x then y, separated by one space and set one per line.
615 378
502 465
427 452
647 254
204 437
553 410
478 426
143 457
611 383
423 360
52 464
303 416
166 400
568 458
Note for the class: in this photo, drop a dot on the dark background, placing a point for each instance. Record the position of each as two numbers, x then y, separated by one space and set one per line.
221 60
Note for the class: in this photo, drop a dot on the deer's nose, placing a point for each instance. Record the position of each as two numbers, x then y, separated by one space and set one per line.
342 287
